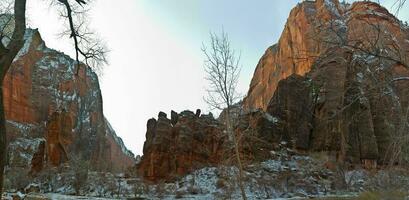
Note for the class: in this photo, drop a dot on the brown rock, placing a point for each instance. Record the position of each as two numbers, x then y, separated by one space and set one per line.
357 129
295 51
292 104
170 151
173 117
53 115
261 134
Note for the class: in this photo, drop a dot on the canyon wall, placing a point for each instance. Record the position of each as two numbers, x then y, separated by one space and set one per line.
54 116
336 82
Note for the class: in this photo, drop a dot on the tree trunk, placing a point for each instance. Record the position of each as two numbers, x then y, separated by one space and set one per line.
2 140
237 152
6 58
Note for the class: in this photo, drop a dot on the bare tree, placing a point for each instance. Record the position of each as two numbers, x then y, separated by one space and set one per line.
222 67
86 43
12 39
397 5
7 54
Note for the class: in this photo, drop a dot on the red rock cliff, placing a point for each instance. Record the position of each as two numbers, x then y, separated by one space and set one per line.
331 79
304 40
53 115
330 84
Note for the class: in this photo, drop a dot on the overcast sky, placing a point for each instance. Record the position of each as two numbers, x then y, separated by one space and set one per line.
155 63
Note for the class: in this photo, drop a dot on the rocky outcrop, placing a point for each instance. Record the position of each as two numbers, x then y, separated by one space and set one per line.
331 80
260 134
54 115
311 29
295 51
292 105
175 147
332 83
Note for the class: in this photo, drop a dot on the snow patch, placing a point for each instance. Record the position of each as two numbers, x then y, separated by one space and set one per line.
28 37
271 118
331 7
23 149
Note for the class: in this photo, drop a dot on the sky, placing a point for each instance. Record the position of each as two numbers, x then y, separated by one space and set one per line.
155 59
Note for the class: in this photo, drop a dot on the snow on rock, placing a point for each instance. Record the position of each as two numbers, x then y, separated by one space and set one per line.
330 5
28 36
21 151
47 95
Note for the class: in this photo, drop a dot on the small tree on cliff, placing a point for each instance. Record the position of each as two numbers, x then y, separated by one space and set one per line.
222 72
12 30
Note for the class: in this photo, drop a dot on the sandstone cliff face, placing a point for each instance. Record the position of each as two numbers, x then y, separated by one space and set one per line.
330 84
178 145
312 27
291 104
295 51
349 100
53 115
189 141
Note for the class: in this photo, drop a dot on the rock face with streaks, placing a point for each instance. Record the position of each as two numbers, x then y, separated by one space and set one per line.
292 104
54 115
176 146
295 51
333 80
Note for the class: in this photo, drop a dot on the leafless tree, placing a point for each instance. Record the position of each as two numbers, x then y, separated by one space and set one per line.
222 67
13 21
398 5
87 44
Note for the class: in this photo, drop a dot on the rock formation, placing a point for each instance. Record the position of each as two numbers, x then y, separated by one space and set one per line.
334 82
175 147
53 115
342 95
295 51
313 27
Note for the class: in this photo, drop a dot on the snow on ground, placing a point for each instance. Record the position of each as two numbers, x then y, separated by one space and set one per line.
286 175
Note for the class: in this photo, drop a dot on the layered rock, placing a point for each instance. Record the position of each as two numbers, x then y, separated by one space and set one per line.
54 115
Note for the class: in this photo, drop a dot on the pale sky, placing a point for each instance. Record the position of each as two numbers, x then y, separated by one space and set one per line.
155 63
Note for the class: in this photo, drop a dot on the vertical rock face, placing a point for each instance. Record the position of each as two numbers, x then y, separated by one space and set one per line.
53 115
336 81
292 104
295 51
174 147
313 27
189 141
331 79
